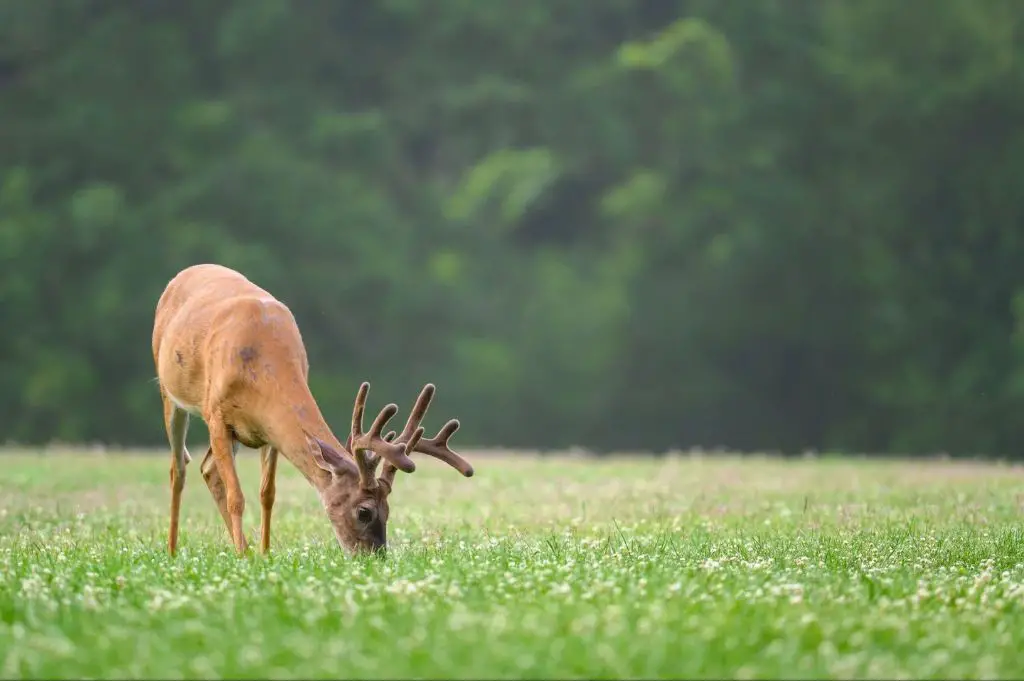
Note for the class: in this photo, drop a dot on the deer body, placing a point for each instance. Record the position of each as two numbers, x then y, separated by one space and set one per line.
229 352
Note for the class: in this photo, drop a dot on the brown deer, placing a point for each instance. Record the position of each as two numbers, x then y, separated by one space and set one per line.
228 351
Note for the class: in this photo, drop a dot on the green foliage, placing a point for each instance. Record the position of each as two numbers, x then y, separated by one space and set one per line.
779 225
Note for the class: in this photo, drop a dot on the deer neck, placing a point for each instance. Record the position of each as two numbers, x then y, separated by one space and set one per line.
304 420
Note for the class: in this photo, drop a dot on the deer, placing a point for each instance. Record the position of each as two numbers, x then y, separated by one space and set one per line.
231 353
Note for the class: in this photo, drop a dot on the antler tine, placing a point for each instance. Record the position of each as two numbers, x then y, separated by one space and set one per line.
382 419
438 448
392 452
412 432
390 437
419 410
417 435
358 409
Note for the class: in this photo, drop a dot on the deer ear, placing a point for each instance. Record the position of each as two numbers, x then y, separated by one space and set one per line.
330 459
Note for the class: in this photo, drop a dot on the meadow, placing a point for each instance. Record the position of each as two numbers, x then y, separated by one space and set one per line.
537 567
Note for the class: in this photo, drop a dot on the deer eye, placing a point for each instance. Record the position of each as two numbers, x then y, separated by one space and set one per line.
364 514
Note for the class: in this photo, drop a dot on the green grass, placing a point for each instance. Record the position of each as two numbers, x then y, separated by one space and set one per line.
535 568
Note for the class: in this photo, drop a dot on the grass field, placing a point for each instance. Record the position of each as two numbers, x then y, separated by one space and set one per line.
534 568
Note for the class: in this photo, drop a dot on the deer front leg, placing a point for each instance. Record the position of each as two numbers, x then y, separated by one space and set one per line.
222 442
176 422
268 490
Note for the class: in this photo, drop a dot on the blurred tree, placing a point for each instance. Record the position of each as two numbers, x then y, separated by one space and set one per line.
611 223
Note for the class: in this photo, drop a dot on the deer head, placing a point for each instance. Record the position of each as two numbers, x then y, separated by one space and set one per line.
355 499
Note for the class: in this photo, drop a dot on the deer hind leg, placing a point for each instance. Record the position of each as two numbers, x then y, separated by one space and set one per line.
176 422
223 445
216 485
268 490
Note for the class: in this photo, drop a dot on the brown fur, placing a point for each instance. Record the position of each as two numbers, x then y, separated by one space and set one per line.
232 353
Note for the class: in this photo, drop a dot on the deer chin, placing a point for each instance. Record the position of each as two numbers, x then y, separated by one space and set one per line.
354 550
349 551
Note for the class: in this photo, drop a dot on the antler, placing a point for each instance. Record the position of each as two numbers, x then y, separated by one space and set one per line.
359 442
437 446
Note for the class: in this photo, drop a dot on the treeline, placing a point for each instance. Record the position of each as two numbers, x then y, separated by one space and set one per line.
609 223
